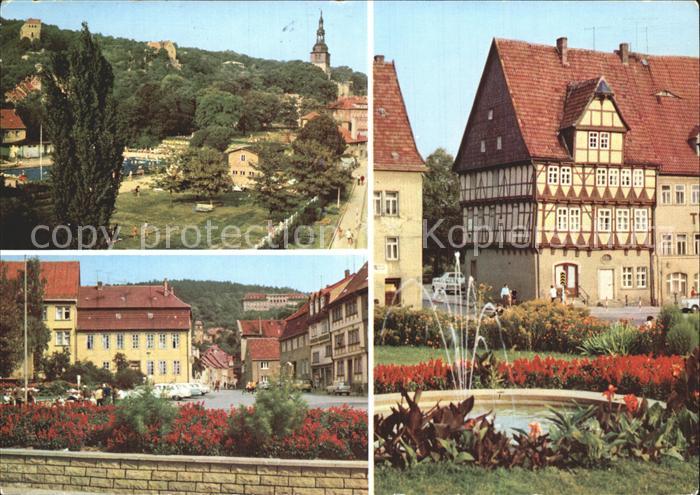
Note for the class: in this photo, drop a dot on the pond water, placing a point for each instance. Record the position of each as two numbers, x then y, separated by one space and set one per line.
507 418
130 165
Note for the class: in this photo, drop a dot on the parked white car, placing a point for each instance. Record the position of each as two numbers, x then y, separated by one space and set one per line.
195 389
690 304
174 391
448 282
204 388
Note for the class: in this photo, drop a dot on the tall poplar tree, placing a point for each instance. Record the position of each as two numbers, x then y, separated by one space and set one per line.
82 123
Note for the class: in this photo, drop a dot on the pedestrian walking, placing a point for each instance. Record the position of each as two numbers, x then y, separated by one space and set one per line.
552 293
348 236
99 396
505 296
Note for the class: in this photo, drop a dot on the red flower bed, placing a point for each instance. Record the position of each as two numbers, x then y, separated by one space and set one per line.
640 375
336 433
71 426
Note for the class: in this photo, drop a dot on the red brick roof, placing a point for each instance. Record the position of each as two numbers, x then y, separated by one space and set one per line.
347 136
261 328
356 286
349 103
215 357
263 349
61 278
254 296
310 116
31 20
131 307
296 323
538 85
10 120
394 146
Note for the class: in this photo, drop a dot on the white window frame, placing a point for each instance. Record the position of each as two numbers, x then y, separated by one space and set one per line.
264 365
391 251
641 220
482 146
681 244
667 244
150 368
176 368
666 194
562 219
106 341
604 140
162 341
150 341
377 203
696 244
695 194
592 140
176 340
601 177
638 177
162 367
565 176
135 341
90 342
679 192
63 313
575 219
677 283
613 177
105 365
626 177
622 219
120 341
641 277
627 277
553 175
391 203
600 218
490 114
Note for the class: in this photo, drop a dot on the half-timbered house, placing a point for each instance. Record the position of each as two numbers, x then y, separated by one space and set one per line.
559 166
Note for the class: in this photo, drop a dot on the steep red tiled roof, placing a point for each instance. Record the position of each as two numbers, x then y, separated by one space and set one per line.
357 284
538 84
310 116
129 296
261 328
394 146
296 323
263 349
31 20
10 120
297 295
61 278
215 357
347 136
348 103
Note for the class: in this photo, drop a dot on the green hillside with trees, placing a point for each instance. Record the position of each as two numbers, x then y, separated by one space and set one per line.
217 95
220 304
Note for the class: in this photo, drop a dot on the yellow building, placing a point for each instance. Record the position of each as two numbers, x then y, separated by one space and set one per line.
398 193
241 162
61 284
31 29
148 324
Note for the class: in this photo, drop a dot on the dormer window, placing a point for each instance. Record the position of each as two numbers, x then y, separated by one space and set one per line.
499 143
490 113
483 146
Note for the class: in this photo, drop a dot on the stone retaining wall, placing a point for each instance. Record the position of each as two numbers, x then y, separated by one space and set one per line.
159 474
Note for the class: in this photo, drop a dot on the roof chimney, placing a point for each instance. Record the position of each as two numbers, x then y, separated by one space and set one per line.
379 58
625 53
563 49
347 273
99 285
166 289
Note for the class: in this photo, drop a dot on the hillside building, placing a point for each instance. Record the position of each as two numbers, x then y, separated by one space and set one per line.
256 301
320 56
31 29
241 161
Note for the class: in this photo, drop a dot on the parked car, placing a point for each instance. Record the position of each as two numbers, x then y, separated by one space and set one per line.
195 389
303 385
204 388
449 282
690 304
339 387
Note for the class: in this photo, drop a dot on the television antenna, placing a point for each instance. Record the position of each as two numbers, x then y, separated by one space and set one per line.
594 29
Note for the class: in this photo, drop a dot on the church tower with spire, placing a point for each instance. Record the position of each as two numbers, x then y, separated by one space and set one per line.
319 55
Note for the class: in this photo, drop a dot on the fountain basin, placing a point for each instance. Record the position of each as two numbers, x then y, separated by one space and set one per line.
512 408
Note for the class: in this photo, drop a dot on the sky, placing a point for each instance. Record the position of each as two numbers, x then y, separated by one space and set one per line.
306 273
274 30
440 48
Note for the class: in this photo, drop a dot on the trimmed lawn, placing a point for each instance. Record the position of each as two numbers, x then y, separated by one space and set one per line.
623 477
414 355
154 207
